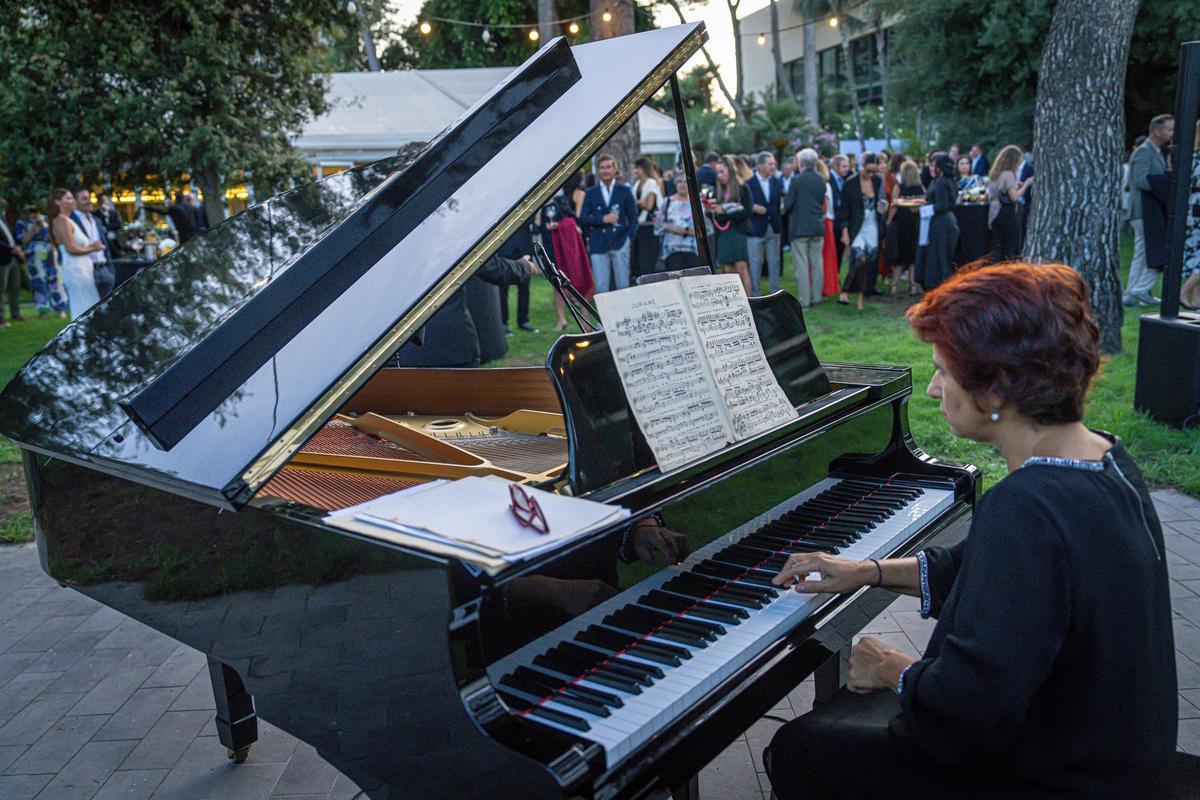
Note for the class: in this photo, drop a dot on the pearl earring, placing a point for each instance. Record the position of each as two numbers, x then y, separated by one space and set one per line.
994 416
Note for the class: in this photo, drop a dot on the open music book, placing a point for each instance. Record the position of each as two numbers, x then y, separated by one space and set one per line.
692 366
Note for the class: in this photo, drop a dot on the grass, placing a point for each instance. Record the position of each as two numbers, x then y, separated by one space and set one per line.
880 335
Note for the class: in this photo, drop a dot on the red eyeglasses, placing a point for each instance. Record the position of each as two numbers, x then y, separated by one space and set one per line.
526 510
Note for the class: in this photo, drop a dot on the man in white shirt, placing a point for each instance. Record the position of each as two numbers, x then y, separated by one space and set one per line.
94 230
11 259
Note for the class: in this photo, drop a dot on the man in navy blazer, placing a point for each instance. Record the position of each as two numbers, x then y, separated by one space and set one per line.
766 192
979 162
611 214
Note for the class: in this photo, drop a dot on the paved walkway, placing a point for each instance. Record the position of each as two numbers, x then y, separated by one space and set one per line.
95 705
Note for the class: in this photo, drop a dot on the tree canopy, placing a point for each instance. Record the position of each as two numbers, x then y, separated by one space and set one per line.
204 89
971 66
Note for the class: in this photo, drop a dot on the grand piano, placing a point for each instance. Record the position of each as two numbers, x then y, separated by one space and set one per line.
185 439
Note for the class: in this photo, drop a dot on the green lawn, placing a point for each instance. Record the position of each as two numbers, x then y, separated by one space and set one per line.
879 335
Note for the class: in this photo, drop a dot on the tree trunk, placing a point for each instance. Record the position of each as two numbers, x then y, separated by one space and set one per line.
812 99
881 56
368 40
783 85
738 114
1078 135
214 196
546 19
740 93
848 67
626 144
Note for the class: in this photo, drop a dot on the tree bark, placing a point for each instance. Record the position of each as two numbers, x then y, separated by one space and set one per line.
738 114
881 55
626 144
546 19
812 99
783 85
848 66
214 196
1078 135
368 39
740 93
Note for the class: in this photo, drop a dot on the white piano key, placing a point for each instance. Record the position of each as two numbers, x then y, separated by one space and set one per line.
644 715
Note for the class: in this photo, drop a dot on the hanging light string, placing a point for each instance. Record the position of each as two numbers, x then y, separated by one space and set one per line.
572 23
426 27
832 19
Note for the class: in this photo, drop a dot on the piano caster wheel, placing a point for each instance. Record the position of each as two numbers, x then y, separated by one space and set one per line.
239 755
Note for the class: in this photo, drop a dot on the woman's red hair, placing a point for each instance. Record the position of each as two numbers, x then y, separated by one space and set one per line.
1021 332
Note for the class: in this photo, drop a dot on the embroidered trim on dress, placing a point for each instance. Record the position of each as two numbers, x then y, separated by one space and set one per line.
1073 463
926 600
900 683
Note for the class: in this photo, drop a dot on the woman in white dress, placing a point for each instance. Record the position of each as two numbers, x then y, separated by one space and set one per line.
77 270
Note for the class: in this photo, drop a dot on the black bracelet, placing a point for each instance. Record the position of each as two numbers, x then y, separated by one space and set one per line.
879 569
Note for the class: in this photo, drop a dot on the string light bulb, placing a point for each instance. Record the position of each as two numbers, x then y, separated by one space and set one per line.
534 35
426 29
486 36
573 28
761 40
606 16
833 22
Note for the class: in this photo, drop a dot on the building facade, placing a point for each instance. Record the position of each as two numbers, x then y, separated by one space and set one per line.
758 66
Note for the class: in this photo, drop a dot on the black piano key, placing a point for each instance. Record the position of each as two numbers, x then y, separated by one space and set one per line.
550 714
641 625
883 490
554 693
600 700
672 603
644 673
707 630
607 698
778 543
596 674
884 506
616 642
757 595
729 597
718 570
575 660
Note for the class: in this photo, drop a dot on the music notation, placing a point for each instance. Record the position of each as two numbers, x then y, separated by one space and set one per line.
740 370
692 366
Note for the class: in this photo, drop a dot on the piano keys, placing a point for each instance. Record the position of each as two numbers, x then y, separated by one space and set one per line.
184 441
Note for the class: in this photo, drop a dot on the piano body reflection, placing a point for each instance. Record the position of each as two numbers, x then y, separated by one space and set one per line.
184 440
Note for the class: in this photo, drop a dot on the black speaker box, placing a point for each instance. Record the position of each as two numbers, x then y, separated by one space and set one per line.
1168 369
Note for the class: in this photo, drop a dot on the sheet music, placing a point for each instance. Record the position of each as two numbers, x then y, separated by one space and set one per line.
754 400
663 370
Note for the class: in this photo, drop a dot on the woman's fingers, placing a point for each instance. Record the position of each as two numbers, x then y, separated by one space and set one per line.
797 566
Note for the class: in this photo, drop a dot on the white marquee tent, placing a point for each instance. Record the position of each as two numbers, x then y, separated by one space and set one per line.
372 114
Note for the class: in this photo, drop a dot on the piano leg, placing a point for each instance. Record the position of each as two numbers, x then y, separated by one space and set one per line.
831 675
237 724
687 791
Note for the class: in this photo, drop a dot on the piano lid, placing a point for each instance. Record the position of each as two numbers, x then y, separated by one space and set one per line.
207 371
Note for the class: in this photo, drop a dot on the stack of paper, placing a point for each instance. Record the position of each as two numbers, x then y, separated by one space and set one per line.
472 515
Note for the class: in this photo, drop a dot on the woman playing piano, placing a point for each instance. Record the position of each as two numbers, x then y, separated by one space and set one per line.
1051 671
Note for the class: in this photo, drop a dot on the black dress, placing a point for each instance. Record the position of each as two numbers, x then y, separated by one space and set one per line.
860 209
935 262
1051 672
900 246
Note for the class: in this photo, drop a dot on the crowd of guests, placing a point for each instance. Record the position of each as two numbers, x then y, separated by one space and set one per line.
884 216
68 253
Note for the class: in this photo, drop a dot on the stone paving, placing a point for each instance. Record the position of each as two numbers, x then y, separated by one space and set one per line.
95 705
